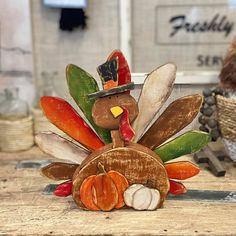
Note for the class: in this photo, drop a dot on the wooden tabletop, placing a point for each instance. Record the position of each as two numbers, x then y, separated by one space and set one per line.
24 210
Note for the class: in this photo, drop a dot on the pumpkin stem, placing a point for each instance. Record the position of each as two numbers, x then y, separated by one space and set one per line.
101 168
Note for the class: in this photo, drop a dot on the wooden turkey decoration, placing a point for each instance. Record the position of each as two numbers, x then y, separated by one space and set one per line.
120 163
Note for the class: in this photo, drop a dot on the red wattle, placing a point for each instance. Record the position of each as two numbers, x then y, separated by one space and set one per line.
126 131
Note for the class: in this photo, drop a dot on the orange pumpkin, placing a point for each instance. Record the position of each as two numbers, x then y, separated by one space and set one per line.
86 194
104 191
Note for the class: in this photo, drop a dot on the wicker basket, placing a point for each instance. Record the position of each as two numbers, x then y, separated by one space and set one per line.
226 111
16 134
42 124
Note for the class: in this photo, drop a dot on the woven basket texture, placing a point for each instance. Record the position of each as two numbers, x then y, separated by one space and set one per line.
16 134
226 111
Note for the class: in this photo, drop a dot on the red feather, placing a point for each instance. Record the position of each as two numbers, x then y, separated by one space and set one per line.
63 189
177 188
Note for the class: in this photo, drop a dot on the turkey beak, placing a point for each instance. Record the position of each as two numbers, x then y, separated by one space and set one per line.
116 111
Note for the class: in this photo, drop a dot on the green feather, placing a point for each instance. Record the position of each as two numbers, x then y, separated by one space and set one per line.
187 143
81 84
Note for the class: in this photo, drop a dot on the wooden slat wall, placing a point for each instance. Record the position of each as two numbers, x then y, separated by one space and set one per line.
16 48
54 49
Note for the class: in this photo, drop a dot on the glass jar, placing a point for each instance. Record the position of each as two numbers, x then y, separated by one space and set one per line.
46 87
12 107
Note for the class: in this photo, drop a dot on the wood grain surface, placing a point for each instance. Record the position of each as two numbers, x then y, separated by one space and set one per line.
24 210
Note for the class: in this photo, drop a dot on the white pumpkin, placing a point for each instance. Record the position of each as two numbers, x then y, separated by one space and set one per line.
142 198
128 194
156 197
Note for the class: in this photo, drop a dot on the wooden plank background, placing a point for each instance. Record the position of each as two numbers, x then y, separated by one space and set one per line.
16 62
24 210
54 49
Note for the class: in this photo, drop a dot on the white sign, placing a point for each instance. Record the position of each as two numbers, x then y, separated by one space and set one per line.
201 24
